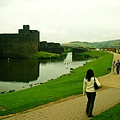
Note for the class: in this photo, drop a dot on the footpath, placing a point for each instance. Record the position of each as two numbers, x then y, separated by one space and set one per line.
74 109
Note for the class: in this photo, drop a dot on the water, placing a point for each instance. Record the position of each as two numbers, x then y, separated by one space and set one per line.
21 74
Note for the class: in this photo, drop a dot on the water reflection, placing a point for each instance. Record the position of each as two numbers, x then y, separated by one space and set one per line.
19 70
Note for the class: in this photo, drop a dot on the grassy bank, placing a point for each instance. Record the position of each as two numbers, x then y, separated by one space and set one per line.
46 55
64 86
110 114
87 55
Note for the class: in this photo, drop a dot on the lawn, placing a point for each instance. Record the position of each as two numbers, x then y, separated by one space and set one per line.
45 55
110 114
64 86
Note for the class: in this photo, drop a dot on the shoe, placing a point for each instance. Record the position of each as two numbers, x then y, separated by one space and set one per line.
90 116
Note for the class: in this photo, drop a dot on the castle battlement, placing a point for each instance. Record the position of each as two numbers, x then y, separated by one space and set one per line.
26 30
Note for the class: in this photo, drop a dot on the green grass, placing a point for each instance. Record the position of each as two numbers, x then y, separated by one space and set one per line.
110 114
94 53
64 86
45 55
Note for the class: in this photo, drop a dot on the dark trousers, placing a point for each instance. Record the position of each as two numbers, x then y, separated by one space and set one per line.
90 104
117 69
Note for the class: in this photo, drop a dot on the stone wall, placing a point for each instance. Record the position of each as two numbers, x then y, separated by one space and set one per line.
51 47
21 45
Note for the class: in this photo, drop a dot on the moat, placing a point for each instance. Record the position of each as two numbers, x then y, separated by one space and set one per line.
18 74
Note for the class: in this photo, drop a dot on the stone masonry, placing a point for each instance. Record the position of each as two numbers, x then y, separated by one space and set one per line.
21 45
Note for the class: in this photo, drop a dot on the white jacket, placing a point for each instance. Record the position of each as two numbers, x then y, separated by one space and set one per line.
88 86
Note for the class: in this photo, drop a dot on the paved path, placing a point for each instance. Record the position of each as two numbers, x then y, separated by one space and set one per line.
74 109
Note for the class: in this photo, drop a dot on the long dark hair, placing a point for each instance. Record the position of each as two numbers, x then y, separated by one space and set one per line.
89 74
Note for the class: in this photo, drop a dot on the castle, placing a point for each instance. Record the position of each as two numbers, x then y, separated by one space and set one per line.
21 45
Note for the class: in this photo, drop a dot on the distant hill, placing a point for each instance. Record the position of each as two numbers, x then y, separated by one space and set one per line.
104 44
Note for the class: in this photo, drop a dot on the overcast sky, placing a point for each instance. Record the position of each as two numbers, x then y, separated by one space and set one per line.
63 20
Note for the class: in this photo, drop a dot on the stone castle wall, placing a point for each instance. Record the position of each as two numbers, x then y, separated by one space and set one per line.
51 47
21 45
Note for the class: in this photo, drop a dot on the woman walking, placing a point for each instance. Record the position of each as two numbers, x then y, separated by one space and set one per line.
88 88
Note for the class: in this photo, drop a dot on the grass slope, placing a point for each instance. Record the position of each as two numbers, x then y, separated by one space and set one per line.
45 55
64 86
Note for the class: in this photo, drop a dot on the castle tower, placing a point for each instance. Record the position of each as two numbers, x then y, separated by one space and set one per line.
21 45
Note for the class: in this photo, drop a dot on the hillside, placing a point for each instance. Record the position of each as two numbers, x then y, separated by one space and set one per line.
104 44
